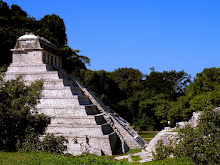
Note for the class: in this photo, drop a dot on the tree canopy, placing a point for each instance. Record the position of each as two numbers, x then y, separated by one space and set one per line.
53 26
137 97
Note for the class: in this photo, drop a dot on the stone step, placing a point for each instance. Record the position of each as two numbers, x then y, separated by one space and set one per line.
99 118
75 121
57 106
59 83
83 100
74 100
68 82
33 67
76 131
59 102
82 138
63 75
60 93
54 112
22 68
24 64
67 111
52 75
80 121
106 129
76 90
91 110
54 84
65 91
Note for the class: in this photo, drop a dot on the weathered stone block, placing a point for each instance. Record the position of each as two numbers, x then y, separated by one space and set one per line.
78 121
94 131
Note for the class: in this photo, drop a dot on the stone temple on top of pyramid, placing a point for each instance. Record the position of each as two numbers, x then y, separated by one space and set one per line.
76 113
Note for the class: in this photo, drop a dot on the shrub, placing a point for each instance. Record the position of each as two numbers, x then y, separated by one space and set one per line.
16 119
54 144
20 124
162 151
202 145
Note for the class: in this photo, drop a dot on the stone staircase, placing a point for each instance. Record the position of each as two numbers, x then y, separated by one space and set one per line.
127 135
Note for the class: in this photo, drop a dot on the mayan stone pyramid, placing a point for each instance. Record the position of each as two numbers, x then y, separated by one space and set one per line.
76 113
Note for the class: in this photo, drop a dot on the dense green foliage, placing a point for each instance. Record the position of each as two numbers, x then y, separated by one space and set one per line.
50 143
149 101
16 120
202 145
53 144
72 61
141 99
203 92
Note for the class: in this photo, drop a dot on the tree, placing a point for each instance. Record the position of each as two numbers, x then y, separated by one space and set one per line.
157 94
53 144
203 92
14 22
72 61
206 81
128 108
172 83
4 13
127 78
16 118
202 145
53 27
104 87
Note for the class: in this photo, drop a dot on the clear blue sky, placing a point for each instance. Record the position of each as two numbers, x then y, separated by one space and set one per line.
165 34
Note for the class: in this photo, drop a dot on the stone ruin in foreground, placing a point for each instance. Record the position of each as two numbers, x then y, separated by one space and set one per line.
76 113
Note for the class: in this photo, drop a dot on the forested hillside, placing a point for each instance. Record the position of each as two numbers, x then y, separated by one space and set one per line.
147 101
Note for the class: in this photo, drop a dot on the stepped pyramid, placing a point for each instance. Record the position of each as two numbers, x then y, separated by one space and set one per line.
76 113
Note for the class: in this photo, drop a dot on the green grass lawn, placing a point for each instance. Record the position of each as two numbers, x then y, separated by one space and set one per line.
147 140
171 161
44 158
133 151
148 134
135 158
